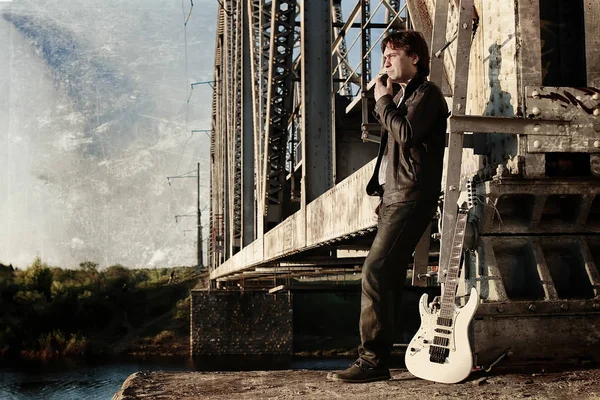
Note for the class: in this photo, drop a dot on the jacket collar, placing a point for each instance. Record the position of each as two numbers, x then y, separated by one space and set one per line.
413 84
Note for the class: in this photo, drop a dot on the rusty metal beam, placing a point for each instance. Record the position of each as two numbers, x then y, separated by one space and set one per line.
455 145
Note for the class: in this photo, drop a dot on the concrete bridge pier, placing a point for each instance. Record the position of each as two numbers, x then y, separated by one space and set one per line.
240 323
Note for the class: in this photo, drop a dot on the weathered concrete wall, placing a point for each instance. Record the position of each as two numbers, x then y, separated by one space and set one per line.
240 323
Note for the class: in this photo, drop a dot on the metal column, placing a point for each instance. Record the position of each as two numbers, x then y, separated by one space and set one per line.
248 200
317 164
279 109
455 142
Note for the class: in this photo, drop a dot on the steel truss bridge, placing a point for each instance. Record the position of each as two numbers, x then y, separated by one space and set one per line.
293 140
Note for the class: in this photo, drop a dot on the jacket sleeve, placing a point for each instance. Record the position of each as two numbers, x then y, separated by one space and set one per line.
412 124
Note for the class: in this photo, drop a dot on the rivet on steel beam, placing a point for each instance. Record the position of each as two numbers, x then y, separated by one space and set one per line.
452 188
597 111
458 106
564 307
597 144
536 111
535 94
537 127
531 307
465 25
596 96
500 309
597 127
537 144
561 128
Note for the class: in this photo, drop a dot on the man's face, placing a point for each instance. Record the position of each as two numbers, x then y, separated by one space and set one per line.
399 66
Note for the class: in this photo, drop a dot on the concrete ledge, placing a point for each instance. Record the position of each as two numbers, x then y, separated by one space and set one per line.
314 385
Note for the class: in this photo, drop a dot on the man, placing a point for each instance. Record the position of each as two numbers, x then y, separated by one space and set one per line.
407 177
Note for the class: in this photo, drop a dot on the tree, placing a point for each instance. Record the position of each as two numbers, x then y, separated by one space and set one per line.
89 266
38 277
117 276
90 269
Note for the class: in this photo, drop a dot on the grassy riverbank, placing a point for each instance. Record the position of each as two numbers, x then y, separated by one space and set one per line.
48 313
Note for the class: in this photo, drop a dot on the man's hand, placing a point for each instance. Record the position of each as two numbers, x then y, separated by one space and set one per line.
381 89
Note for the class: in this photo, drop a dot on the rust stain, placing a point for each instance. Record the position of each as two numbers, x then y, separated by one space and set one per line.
571 98
555 96
588 90
591 89
578 102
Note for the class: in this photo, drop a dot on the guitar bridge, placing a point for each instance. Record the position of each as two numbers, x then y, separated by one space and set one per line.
438 354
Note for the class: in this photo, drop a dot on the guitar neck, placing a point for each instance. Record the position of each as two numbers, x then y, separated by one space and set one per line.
451 283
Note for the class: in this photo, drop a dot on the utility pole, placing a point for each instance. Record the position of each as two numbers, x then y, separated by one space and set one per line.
199 241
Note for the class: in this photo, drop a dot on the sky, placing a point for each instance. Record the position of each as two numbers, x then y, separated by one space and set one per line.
96 111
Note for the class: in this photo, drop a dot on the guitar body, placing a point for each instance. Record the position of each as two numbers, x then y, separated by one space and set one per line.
442 353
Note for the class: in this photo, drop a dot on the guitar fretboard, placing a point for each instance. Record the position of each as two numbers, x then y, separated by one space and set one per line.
448 296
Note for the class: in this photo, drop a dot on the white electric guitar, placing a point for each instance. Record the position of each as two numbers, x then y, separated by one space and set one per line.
440 351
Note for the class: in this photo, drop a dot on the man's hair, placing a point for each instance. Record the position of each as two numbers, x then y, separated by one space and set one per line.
412 42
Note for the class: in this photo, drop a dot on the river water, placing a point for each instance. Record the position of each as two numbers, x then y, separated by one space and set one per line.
101 381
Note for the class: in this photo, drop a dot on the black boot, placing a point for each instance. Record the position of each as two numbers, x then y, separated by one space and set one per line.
361 372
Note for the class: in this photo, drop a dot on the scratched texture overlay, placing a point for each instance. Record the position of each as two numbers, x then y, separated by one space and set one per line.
96 111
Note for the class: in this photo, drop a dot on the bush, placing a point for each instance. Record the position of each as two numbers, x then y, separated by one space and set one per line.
76 346
51 345
182 310
163 337
29 297
38 277
117 276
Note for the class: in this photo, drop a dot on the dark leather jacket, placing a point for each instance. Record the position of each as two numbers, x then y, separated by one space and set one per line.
415 136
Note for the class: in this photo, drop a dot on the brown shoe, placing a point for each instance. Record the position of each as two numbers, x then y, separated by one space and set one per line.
360 372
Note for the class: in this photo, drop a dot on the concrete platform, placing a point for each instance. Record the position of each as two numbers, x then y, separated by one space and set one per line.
309 384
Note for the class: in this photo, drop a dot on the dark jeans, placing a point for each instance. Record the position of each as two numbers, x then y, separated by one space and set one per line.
400 227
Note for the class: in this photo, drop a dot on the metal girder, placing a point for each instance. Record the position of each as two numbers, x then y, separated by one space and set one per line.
438 40
343 67
316 106
484 124
236 140
227 127
248 217
259 12
592 42
455 144
218 149
279 108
